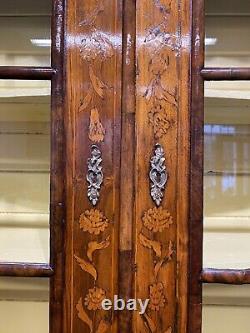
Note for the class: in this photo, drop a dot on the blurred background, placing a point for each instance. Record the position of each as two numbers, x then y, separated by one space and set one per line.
24 164
227 166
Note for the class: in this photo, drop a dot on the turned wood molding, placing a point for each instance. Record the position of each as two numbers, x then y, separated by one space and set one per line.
222 74
26 73
225 276
25 269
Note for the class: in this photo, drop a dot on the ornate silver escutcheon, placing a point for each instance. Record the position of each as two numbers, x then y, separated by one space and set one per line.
94 175
158 174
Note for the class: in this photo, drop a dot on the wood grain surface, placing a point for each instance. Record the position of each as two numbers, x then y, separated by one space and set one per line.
127 95
94 46
196 169
163 49
127 89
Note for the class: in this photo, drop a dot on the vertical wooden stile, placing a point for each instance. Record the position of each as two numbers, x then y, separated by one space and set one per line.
57 173
127 188
196 171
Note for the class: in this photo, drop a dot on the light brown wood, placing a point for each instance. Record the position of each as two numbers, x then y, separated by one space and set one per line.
183 168
162 116
133 73
127 101
94 106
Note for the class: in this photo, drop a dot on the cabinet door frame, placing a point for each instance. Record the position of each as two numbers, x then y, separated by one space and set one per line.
198 275
54 73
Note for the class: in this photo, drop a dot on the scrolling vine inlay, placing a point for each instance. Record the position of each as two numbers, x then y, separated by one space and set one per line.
96 47
97 99
93 222
158 53
156 220
161 100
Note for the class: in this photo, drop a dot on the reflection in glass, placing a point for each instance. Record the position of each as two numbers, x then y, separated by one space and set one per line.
24 305
227 175
227 33
226 308
25 33
24 170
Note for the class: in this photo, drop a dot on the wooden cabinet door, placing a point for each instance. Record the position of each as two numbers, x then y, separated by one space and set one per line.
127 161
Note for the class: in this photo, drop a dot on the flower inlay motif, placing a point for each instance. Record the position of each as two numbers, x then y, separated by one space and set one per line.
94 298
157 219
93 221
157 299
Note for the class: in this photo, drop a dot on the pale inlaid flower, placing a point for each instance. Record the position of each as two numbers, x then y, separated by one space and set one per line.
160 120
157 219
96 45
96 130
94 298
157 298
93 221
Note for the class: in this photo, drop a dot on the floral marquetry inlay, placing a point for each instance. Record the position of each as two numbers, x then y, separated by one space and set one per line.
96 45
161 93
96 130
156 296
97 100
94 298
158 54
93 221
96 48
160 120
103 325
157 219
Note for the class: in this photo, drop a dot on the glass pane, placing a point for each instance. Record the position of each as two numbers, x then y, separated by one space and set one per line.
24 170
227 175
24 305
227 7
25 33
25 7
226 308
227 33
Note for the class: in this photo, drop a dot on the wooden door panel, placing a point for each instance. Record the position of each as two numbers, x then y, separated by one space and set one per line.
162 106
94 97
127 113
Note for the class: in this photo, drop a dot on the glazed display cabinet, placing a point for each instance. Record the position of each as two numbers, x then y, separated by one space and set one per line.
124 166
